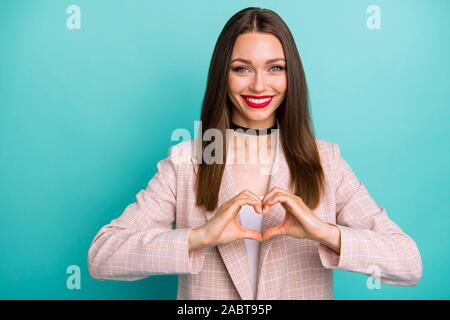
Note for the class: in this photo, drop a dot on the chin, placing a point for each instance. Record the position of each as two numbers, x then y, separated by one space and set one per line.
261 116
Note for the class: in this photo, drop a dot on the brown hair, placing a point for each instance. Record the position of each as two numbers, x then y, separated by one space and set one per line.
296 131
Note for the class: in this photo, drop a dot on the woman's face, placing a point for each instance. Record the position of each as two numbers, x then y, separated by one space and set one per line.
257 79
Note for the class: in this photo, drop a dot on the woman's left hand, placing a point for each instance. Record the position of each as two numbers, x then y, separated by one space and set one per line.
300 222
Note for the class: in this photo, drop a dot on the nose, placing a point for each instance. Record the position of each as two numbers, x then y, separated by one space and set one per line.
259 82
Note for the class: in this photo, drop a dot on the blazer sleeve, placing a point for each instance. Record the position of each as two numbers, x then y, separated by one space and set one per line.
141 242
370 240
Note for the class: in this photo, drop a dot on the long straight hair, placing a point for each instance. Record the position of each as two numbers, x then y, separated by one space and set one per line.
296 131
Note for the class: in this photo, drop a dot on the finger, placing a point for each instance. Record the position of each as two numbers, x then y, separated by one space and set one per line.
272 232
277 197
275 190
284 199
237 204
249 193
251 234
269 195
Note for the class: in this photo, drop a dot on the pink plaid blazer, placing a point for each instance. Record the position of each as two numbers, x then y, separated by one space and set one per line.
142 241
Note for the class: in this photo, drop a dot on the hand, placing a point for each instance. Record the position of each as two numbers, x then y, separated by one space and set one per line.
224 227
300 222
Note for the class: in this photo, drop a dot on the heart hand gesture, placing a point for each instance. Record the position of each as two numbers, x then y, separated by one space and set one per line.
300 222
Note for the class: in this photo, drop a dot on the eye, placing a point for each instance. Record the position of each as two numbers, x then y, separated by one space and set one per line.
238 69
280 68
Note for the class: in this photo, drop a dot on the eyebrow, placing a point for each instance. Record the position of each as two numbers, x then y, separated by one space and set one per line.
249 62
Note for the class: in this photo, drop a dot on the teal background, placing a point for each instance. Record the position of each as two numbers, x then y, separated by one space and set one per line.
86 114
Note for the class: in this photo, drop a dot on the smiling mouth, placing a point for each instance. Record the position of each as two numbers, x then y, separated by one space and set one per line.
257 102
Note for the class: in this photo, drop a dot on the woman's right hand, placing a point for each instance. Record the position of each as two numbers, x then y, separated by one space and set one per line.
224 226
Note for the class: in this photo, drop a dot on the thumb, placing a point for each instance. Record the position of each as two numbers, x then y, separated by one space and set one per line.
251 234
272 232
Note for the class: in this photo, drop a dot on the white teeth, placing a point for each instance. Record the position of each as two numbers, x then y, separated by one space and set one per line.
258 100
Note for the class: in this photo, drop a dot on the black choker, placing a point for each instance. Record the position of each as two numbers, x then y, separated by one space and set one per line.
255 132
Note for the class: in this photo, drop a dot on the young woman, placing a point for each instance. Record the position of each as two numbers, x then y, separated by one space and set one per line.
273 228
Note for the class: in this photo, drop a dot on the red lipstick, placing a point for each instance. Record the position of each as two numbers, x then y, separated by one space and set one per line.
257 102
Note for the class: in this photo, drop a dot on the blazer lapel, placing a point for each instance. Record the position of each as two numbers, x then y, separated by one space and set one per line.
279 177
234 254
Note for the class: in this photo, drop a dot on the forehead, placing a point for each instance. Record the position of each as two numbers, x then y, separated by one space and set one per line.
257 47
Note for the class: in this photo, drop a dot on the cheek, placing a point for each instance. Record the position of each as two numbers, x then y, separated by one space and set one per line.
280 84
237 84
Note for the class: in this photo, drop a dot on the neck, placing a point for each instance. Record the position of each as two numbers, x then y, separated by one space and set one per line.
250 146
254 131
247 123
